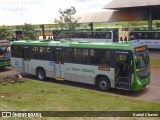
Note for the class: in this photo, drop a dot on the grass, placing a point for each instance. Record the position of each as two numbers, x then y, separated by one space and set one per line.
35 95
155 62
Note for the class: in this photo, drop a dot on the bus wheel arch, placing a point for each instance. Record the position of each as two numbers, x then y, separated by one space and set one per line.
103 83
40 73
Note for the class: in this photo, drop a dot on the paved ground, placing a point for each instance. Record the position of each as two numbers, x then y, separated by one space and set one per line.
154 54
151 92
8 71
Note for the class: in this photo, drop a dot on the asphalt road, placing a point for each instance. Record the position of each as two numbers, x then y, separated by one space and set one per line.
150 93
154 54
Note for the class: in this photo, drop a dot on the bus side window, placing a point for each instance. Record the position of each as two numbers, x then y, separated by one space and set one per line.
61 57
99 57
131 37
1 51
35 52
79 56
108 35
92 57
16 52
54 56
107 58
69 55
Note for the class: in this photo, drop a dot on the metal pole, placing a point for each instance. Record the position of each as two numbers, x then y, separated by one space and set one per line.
150 19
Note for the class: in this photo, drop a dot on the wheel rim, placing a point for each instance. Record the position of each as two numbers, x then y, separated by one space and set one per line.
103 84
41 75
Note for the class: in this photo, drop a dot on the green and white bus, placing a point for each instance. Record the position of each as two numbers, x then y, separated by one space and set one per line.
93 36
96 36
149 37
4 54
106 65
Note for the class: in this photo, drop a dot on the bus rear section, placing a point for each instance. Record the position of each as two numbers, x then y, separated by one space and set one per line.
110 65
4 54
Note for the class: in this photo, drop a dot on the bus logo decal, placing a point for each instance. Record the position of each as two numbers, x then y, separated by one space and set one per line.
51 63
16 63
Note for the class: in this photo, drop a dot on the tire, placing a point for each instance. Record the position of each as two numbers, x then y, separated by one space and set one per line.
41 74
103 84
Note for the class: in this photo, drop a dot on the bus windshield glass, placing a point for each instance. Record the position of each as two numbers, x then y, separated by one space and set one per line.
142 61
4 52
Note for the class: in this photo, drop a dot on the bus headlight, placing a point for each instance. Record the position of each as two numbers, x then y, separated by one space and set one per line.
138 81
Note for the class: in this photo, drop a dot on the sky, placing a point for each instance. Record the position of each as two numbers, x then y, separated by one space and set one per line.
17 12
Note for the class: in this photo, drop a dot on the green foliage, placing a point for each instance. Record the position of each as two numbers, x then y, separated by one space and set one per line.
4 33
134 24
155 62
29 32
157 24
19 28
66 19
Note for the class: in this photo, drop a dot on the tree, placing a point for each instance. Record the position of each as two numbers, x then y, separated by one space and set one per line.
132 25
67 19
4 33
28 32
157 24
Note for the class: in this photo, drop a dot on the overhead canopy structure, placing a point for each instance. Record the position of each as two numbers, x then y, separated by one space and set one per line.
112 16
149 8
125 10
122 4
95 17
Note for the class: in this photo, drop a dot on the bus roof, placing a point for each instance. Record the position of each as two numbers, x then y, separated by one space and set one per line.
95 31
1 41
82 44
4 43
99 31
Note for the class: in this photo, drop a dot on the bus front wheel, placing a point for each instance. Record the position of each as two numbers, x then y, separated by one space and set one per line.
103 84
40 73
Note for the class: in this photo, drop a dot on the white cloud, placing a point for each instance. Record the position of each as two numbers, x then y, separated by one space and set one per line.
14 12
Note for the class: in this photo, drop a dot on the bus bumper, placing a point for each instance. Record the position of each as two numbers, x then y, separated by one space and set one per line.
4 64
140 84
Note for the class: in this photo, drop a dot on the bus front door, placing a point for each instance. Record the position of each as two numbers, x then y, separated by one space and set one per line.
26 55
123 70
59 63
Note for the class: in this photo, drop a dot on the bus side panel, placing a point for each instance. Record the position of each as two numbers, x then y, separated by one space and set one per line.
154 44
17 64
110 74
86 73
46 65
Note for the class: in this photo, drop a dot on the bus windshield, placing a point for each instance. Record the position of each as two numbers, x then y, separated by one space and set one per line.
142 62
4 51
1 51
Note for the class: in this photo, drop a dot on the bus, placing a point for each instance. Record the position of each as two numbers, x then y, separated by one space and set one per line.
105 65
149 37
4 54
93 36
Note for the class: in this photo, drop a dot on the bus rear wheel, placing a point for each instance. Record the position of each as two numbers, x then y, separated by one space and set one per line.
41 74
103 84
